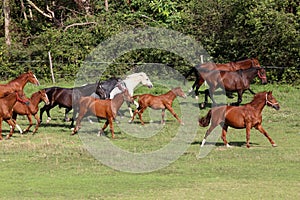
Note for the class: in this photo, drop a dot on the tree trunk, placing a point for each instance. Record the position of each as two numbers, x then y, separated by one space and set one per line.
106 5
6 11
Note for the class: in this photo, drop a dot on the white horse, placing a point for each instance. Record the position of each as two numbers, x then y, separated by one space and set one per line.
131 81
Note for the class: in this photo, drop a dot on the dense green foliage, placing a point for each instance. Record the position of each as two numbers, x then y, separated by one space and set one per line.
229 30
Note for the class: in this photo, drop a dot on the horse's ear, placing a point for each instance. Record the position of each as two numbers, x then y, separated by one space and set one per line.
270 92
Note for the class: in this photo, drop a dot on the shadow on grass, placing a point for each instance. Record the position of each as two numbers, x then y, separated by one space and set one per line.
219 144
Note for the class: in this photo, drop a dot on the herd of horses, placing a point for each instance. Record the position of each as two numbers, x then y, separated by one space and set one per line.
103 99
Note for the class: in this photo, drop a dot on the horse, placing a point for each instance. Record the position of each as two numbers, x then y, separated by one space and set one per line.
7 103
235 81
31 109
105 109
240 117
107 86
231 66
131 81
163 102
18 84
67 98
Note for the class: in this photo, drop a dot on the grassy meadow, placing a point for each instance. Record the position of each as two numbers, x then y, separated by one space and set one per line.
54 165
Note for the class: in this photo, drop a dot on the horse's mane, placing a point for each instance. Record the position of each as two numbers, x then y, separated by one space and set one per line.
136 74
257 96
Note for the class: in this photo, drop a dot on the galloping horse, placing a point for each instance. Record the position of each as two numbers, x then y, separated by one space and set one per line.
67 98
7 102
231 66
246 116
105 109
236 81
131 81
31 109
18 84
162 102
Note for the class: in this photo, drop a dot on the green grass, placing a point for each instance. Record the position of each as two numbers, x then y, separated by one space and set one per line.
54 165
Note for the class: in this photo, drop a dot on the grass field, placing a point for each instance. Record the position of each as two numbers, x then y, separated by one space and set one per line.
54 165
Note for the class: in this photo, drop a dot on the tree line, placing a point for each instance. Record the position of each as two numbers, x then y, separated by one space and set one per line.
229 30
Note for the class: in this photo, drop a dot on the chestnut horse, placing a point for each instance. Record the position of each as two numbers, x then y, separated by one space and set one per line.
246 116
105 109
31 109
162 102
231 66
236 81
7 103
18 84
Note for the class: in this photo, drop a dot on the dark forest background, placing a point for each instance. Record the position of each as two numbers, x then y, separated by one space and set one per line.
229 30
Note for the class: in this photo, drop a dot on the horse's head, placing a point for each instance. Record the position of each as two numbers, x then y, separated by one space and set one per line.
101 91
261 72
44 97
32 78
271 101
255 62
145 80
179 92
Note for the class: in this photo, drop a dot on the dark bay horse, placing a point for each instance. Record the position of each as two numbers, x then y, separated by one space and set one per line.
239 117
235 81
162 102
18 84
103 109
7 103
231 66
30 110
68 98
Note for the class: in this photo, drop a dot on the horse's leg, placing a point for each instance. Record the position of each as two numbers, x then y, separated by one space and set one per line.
14 116
37 123
82 112
67 110
262 130
134 113
30 123
251 91
206 95
111 127
163 116
101 131
240 97
211 128
140 112
224 132
200 82
12 125
174 114
248 128
1 119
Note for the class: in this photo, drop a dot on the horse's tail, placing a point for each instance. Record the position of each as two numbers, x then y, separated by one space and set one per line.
193 69
204 121
136 96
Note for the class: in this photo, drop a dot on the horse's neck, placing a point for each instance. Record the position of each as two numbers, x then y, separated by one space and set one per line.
131 83
35 99
244 64
258 103
250 74
117 102
171 95
18 83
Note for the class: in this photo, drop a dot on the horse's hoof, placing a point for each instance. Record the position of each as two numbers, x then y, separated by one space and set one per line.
228 146
274 145
182 123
